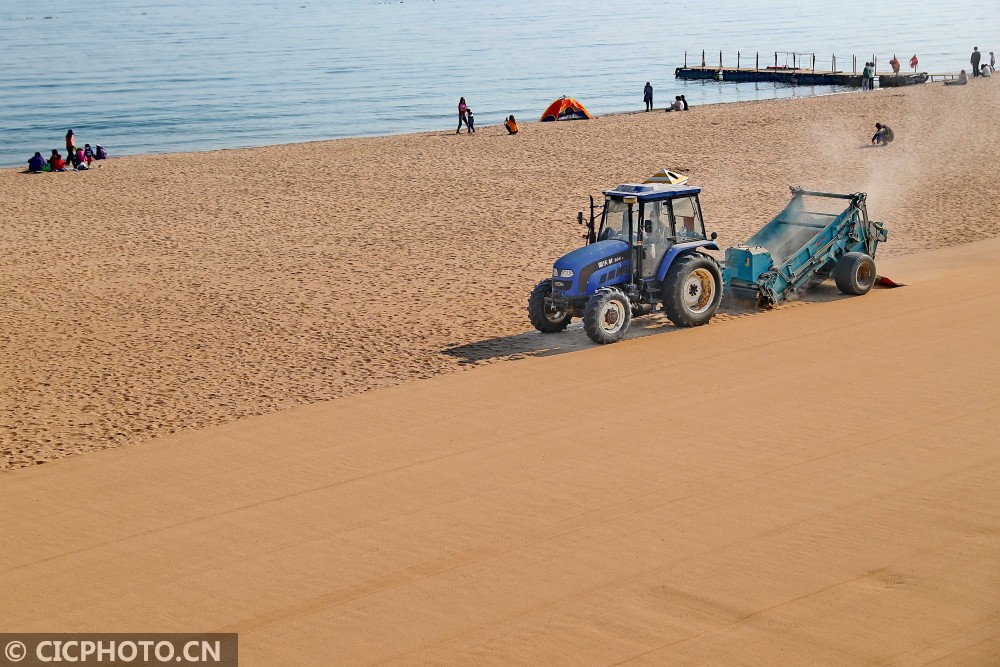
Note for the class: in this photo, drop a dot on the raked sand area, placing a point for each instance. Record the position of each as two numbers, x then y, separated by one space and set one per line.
817 484
166 293
820 486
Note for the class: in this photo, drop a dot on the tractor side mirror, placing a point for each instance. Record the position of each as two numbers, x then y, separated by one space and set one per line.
649 227
579 217
714 236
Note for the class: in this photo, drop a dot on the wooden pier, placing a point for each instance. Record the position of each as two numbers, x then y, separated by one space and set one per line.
798 69
790 75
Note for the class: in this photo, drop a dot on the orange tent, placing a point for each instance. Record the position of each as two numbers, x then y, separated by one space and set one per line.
566 108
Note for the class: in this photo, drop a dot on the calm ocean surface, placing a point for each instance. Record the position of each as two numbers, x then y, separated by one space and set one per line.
140 76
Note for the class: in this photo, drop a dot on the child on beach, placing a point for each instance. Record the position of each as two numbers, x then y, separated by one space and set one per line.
470 120
88 153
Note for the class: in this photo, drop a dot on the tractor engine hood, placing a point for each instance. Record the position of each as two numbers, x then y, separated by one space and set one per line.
601 263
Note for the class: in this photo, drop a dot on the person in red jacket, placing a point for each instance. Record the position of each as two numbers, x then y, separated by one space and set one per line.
913 62
56 163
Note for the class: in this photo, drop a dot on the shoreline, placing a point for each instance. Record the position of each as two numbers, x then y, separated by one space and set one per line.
155 296
431 132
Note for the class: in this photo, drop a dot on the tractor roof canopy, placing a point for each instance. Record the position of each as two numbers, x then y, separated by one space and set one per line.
652 191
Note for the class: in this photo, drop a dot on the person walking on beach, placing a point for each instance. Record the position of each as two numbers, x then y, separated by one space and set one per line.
914 62
993 62
463 115
647 96
470 120
976 56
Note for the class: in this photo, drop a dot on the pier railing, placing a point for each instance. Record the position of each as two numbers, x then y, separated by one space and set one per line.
783 60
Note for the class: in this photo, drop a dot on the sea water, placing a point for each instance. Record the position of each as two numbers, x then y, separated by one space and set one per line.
139 76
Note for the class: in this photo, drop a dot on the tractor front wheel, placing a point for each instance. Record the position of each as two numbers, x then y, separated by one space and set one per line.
546 318
692 290
606 316
855 273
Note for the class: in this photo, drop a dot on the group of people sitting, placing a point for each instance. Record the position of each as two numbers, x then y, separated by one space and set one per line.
77 158
680 104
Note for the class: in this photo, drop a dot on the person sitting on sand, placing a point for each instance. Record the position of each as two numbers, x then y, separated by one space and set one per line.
80 161
511 125
36 163
678 104
984 70
100 153
883 135
56 162
685 101
962 79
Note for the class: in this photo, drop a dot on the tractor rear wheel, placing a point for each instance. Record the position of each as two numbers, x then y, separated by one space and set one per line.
606 316
692 290
855 273
545 318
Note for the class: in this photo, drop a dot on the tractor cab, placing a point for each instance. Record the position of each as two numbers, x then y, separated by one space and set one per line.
660 216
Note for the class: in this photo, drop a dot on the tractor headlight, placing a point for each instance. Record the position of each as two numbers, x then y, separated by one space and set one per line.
562 273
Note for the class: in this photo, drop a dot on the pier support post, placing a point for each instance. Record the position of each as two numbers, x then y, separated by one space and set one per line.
703 57
720 59
757 66
814 62
737 60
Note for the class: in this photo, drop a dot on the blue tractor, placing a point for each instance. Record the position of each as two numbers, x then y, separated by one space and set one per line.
646 251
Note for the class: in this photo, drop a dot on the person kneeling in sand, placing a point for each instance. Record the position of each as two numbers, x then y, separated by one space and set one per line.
883 135
511 125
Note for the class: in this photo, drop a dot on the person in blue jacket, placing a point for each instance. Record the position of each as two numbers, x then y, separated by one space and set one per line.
36 163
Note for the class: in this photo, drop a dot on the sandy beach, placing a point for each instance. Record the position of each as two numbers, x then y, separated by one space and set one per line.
171 292
264 343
